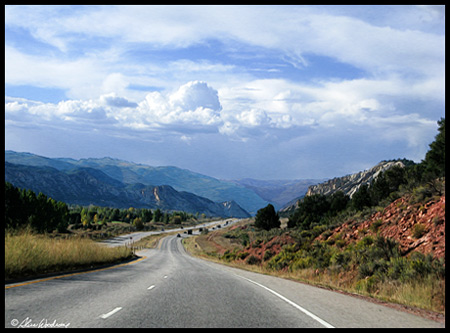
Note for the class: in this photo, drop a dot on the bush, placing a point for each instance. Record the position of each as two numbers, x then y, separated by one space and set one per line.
229 256
267 255
419 230
266 218
340 259
252 260
420 193
281 260
302 263
245 238
367 285
376 225
242 255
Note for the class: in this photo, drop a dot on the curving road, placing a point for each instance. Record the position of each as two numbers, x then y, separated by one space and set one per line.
169 288
136 236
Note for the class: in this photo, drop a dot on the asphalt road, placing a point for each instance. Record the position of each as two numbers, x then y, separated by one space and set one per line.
169 288
135 236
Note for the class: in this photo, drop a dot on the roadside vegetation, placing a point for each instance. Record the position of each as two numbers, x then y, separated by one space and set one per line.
316 248
29 254
47 236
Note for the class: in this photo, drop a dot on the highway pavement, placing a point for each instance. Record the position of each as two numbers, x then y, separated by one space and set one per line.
169 288
135 236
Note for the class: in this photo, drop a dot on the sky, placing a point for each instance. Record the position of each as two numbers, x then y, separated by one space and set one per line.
265 92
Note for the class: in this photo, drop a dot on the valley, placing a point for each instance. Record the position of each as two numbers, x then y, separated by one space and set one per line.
117 183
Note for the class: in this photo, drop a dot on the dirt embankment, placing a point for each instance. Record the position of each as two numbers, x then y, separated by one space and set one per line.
416 227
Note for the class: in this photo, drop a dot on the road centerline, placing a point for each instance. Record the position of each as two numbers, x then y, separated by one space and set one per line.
151 287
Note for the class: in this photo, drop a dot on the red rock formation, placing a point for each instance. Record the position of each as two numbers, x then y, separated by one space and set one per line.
399 221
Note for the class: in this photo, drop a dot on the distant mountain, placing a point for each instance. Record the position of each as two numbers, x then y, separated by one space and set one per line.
348 184
278 192
131 173
85 186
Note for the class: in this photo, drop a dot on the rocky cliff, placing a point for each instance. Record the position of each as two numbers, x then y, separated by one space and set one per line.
348 184
351 183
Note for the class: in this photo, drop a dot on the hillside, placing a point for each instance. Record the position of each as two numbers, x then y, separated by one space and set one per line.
130 173
396 254
387 241
351 183
416 227
348 184
85 186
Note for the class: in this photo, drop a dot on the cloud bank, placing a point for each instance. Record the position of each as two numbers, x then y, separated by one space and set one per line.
367 81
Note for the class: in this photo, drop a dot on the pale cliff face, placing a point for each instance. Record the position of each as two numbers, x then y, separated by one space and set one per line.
350 184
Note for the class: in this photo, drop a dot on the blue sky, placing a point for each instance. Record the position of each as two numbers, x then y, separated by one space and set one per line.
268 92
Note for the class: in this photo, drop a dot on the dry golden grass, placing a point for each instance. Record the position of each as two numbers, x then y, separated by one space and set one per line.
28 254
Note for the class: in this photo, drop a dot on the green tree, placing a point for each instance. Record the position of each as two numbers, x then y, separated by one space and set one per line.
115 214
267 218
311 209
146 215
176 219
85 219
435 157
137 222
23 208
157 215
338 202
361 198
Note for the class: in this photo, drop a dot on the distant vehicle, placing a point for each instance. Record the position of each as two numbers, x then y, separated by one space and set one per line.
178 235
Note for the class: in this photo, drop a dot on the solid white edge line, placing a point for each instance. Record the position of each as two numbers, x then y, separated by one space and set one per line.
312 315
106 315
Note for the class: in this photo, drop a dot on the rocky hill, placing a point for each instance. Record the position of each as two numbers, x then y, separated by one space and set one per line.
348 184
416 227
85 186
351 183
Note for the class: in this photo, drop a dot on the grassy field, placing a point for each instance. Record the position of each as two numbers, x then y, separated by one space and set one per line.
28 254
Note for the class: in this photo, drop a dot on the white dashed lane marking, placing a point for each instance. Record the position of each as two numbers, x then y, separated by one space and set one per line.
110 313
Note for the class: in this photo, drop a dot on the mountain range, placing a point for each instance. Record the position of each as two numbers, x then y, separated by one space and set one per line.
117 175
85 186
117 183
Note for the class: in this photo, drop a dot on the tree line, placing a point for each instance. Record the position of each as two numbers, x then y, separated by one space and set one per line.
23 208
421 180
